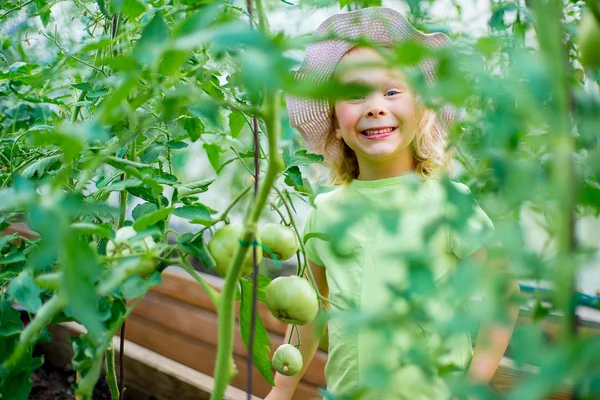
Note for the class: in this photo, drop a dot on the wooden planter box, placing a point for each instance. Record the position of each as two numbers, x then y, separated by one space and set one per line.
178 320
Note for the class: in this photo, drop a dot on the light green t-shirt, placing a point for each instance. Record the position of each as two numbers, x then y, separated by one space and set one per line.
374 227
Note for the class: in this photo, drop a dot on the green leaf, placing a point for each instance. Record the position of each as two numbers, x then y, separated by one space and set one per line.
152 153
194 127
262 344
40 166
118 185
148 195
17 385
82 86
133 8
25 292
213 152
81 270
197 211
142 209
205 108
317 235
222 37
152 218
86 228
43 10
95 94
171 62
236 123
293 177
13 258
177 144
5 239
198 248
191 188
137 286
84 352
10 319
300 158
154 37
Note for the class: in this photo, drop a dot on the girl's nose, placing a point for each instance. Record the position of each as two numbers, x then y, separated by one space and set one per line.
375 110
374 107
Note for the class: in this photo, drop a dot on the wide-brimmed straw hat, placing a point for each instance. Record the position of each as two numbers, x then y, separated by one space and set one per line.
384 26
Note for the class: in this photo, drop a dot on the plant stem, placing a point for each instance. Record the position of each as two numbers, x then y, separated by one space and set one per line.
549 29
111 376
295 228
226 309
85 387
212 292
122 362
15 9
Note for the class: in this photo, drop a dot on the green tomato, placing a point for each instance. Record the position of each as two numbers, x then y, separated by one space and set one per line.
588 41
292 299
123 246
143 268
223 245
280 239
287 360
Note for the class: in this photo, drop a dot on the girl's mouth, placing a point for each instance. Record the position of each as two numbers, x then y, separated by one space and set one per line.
378 133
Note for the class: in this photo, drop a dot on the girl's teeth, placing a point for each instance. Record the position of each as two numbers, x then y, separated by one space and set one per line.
377 131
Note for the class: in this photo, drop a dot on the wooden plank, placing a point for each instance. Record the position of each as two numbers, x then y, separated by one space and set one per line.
202 325
199 355
551 325
509 376
146 373
178 285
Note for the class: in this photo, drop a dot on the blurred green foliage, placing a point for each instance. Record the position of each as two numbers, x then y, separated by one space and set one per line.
108 114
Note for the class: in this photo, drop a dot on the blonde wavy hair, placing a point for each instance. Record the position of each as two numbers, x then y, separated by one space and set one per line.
429 148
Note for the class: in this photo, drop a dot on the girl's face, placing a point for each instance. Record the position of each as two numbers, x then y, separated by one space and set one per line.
380 126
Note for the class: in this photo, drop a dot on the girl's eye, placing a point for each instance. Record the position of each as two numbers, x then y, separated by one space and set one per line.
392 92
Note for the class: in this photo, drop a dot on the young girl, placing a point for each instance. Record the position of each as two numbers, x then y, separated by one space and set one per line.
385 151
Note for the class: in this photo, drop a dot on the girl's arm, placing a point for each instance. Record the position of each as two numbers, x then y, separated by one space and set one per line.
493 338
310 336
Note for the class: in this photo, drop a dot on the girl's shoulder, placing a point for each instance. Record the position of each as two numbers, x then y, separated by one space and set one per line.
330 196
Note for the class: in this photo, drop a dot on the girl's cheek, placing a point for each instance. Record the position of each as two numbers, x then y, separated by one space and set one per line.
345 115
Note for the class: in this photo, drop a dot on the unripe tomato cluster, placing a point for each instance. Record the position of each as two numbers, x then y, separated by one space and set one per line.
291 299
279 239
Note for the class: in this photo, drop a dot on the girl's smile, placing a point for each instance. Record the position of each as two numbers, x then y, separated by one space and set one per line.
378 133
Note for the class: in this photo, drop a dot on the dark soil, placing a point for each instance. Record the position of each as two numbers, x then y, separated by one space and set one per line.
50 383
